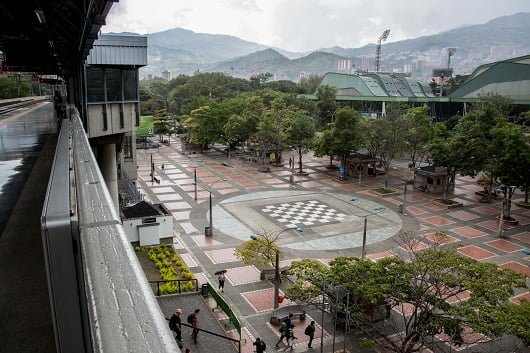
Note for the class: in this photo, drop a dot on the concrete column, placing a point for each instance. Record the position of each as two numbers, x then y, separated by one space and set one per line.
109 169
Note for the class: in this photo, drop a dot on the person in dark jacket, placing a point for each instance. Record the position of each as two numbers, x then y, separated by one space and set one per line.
260 345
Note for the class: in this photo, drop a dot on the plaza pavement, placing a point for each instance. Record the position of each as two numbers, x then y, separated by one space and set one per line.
249 200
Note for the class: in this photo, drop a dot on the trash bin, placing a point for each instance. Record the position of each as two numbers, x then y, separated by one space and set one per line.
204 290
207 231
400 208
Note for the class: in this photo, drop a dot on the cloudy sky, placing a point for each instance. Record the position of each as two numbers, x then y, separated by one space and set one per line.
304 25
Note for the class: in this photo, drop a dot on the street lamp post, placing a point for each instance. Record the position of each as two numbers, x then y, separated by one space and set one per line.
277 278
210 232
377 210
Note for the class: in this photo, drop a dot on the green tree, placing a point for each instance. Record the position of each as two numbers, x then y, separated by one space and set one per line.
388 135
308 85
418 134
162 124
445 150
324 146
421 290
345 131
300 134
326 104
261 251
454 82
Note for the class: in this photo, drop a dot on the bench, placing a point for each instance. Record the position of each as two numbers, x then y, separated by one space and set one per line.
282 314
271 272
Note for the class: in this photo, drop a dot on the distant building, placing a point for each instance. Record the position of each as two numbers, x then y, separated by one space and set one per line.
344 65
166 75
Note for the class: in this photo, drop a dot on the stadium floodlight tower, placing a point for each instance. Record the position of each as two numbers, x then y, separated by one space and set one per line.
383 37
450 52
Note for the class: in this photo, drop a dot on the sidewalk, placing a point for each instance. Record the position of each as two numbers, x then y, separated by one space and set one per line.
248 199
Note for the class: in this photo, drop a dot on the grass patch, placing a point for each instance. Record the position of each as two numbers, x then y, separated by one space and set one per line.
170 267
146 126
384 190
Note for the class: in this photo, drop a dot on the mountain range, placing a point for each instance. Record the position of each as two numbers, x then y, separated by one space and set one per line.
183 51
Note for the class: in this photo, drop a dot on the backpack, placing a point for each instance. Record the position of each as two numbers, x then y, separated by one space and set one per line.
307 330
283 326
190 318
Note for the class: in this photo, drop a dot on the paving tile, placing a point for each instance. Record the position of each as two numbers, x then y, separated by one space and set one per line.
415 211
270 181
405 309
469 337
163 190
492 225
226 191
463 215
221 256
169 197
517 267
523 221
484 210
176 206
438 220
468 232
433 206
518 298
524 237
201 278
504 245
456 297
181 216
380 255
242 275
188 227
188 260
203 241
476 252
414 245
262 300
440 239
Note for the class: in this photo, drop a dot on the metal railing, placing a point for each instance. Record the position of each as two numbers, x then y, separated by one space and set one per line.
115 309
223 305
179 281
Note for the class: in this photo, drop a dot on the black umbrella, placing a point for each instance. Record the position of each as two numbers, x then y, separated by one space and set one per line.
220 271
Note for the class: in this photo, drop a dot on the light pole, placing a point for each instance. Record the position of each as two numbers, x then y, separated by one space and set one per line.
195 178
210 230
377 210
277 279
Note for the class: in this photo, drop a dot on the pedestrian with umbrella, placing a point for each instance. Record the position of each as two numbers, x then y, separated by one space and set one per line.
221 279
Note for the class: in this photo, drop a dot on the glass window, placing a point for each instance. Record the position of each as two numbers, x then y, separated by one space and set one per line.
95 84
130 88
113 77
127 147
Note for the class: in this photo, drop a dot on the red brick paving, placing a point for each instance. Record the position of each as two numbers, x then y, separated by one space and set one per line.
463 215
414 245
242 275
441 239
221 256
504 245
524 237
380 255
202 240
487 211
262 300
438 220
468 232
476 252
415 211
518 298
517 267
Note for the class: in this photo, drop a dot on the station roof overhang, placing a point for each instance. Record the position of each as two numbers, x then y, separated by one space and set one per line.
49 37
412 99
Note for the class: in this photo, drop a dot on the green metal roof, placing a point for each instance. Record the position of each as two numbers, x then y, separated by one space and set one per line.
510 78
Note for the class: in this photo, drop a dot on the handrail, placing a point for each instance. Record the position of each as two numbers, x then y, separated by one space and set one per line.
175 280
223 305
122 311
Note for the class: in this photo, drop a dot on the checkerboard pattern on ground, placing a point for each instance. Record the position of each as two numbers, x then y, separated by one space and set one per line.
305 213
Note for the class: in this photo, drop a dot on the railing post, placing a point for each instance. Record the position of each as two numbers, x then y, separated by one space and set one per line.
157 288
179 286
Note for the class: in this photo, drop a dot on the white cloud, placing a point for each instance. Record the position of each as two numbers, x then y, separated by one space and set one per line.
303 25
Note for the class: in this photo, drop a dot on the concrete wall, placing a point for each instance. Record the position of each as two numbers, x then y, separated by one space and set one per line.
164 229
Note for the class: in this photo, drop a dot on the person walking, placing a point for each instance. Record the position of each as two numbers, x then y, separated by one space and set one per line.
290 162
284 328
176 327
310 331
163 167
221 279
290 339
260 345
195 324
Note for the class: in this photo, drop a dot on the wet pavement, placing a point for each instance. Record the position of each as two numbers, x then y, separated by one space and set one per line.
249 200
27 146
